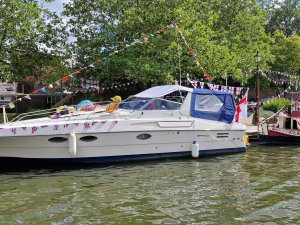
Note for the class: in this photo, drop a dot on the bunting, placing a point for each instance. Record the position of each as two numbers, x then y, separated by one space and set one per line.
239 92
117 50
279 78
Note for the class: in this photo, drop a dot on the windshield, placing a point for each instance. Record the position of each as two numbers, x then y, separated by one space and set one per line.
133 103
149 104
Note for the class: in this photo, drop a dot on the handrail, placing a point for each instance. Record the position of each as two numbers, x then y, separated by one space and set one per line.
45 112
28 114
66 98
275 114
53 99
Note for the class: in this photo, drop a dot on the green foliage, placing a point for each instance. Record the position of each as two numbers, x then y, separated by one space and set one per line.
265 113
276 104
226 34
28 33
287 53
283 16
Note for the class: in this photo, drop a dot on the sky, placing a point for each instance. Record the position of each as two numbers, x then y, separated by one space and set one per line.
55 6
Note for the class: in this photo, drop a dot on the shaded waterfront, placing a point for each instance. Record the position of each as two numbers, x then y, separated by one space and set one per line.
261 186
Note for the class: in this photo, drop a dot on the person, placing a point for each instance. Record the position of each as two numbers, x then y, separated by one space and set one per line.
114 105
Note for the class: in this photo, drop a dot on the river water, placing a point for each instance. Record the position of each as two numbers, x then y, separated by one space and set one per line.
261 186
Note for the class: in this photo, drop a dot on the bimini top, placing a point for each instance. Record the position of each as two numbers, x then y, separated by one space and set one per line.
160 91
212 105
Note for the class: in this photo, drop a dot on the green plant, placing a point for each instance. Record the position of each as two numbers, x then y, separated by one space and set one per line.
265 113
276 104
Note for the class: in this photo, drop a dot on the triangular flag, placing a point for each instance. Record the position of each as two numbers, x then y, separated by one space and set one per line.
58 83
65 78
11 105
43 90
27 97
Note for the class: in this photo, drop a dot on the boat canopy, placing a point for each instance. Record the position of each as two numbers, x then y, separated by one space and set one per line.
160 91
212 105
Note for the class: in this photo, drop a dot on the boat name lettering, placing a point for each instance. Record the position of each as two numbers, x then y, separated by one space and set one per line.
290 132
202 135
14 130
56 127
66 125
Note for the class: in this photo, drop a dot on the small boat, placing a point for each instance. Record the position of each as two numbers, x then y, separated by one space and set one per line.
284 130
145 126
283 127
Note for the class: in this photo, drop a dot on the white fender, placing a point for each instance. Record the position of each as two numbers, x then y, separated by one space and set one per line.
195 149
72 144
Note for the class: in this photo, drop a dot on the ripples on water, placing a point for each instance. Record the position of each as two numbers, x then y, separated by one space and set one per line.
258 187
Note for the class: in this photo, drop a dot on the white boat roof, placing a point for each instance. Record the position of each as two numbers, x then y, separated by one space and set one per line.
160 91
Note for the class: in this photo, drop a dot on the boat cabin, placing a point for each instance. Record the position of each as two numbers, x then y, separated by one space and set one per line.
198 103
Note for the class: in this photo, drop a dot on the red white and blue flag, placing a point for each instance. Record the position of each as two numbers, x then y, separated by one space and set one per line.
241 110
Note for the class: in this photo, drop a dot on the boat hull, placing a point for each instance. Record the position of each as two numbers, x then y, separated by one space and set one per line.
119 146
9 161
279 136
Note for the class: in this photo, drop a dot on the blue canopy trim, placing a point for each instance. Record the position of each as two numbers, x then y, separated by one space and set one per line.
212 105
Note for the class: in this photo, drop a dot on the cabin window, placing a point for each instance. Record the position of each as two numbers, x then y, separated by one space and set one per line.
133 103
295 126
88 138
143 136
209 103
163 104
58 139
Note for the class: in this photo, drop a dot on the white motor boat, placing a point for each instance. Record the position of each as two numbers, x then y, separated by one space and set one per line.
146 125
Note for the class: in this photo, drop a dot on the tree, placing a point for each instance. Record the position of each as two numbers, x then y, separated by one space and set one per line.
284 16
226 35
28 32
287 53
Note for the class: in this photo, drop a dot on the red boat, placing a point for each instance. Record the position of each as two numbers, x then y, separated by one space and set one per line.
285 128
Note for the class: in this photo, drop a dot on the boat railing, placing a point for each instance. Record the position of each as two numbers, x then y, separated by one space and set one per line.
48 112
266 120
31 115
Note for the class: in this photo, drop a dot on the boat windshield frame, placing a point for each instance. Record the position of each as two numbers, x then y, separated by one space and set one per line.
139 103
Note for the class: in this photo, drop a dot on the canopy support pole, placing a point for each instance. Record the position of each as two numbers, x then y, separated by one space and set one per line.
5 120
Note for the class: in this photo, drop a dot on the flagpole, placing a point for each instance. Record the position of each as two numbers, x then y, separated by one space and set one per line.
258 58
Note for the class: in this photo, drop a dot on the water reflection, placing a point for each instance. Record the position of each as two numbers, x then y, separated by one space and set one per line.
258 187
